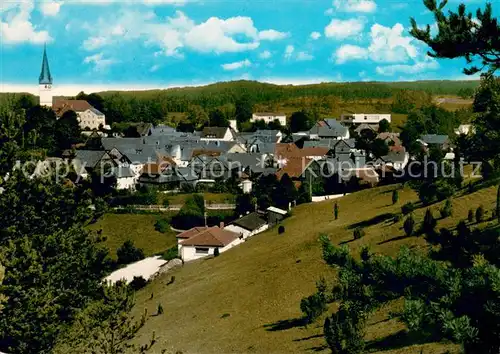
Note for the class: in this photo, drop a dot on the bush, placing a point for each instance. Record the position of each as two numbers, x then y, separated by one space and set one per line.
128 253
216 252
171 253
395 196
480 214
447 209
409 225
162 225
429 223
397 217
159 311
344 332
281 229
408 208
358 233
470 216
138 283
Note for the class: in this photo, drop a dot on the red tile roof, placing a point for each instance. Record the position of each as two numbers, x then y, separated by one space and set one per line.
192 232
60 106
214 237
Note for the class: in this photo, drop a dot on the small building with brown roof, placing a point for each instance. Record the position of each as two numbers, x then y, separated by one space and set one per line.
89 117
200 242
217 134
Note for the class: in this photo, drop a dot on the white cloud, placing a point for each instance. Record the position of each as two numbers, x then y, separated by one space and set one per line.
18 28
99 62
315 35
388 45
342 29
154 68
418 67
174 34
237 65
289 51
265 54
50 8
94 43
366 6
272 35
304 56
348 52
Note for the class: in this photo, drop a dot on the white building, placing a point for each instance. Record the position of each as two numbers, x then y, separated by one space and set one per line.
88 116
45 82
269 117
200 242
359 118
249 225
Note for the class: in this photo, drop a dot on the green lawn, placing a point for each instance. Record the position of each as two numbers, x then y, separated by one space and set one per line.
210 198
247 299
118 228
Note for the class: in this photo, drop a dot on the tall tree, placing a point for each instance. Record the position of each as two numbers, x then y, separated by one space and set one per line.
462 36
243 108
67 130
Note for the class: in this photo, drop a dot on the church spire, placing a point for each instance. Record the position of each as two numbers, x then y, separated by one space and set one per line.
45 77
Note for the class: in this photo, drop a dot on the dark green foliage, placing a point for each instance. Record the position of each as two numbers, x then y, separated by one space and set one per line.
302 121
395 196
441 301
67 130
281 229
243 108
216 252
358 233
128 253
285 193
397 217
162 225
244 203
384 126
408 208
470 216
191 214
447 209
336 210
106 326
378 147
480 214
409 225
171 253
315 305
461 36
138 283
159 310
218 118
429 223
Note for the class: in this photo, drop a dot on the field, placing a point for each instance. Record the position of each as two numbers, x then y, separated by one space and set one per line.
247 300
118 228
210 198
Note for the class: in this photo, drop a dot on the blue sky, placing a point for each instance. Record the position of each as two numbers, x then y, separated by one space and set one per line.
117 44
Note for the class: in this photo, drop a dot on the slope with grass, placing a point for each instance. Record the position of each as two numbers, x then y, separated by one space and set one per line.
118 228
247 300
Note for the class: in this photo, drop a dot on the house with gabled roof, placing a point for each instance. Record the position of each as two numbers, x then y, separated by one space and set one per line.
217 134
89 118
201 242
248 225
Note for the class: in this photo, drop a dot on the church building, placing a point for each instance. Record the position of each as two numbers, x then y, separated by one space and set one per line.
89 117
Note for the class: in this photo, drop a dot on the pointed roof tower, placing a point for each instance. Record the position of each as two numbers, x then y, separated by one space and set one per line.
45 77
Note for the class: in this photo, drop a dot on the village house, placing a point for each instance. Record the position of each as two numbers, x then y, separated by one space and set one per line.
268 117
200 242
248 225
360 118
89 118
217 134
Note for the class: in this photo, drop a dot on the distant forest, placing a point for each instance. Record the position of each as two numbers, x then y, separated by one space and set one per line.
155 105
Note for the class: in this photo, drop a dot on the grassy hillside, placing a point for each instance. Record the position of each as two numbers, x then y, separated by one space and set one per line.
118 228
247 300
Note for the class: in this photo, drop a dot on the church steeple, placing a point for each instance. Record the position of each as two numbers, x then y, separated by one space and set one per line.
45 77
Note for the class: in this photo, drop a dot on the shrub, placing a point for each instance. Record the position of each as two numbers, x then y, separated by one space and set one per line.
138 283
395 196
166 202
447 209
397 217
128 253
336 210
408 208
159 311
171 253
344 332
162 225
281 229
429 223
479 214
358 233
470 216
409 225
216 252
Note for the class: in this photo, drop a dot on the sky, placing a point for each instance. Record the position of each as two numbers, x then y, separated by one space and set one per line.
95 45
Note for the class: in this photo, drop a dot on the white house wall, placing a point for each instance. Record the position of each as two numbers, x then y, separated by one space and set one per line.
188 253
125 183
246 233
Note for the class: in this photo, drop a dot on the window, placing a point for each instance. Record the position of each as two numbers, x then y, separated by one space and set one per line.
201 250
